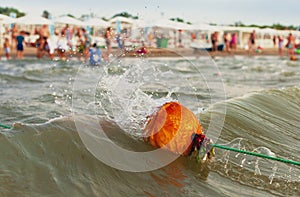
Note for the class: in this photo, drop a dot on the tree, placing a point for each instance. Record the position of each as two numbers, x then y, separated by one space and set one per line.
105 19
274 26
6 11
180 20
46 14
70 15
126 15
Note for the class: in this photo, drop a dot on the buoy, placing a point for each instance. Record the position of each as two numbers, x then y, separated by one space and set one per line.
293 58
172 127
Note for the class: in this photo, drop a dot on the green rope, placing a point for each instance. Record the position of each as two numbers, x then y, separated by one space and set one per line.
257 154
5 126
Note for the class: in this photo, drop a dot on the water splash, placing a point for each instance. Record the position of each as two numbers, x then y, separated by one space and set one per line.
260 167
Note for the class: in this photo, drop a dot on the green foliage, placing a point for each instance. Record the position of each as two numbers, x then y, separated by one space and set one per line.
7 11
274 26
70 15
46 14
105 19
126 15
180 20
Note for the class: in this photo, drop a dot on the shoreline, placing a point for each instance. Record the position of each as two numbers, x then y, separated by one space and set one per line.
31 52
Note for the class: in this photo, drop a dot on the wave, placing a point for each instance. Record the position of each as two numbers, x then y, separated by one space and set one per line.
266 120
50 158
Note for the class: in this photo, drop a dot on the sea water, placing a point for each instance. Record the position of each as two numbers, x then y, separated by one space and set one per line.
250 103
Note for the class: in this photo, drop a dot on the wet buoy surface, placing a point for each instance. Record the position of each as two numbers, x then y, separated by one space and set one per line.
172 127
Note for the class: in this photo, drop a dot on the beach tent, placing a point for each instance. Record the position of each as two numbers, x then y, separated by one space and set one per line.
68 20
267 31
96 22
33 20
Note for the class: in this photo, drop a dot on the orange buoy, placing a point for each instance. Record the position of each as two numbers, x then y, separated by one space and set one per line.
293 58
171 127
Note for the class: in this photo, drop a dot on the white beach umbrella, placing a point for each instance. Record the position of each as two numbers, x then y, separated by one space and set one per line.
33 20
96 22
139 23
2 17
206 27
6 19
163 23
121 19
168 24
183 26
68 20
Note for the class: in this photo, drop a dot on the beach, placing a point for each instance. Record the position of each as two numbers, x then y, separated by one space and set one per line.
30 52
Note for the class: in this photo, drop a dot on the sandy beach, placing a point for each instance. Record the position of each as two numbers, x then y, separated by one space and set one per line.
30 52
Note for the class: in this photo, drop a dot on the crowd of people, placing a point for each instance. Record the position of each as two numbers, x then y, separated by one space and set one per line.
78 42
63 43
230 42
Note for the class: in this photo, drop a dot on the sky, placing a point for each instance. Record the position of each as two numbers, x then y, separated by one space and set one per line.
261 12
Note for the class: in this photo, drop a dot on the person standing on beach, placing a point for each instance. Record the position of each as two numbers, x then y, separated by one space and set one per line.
226 41
108 37
20 45
6 47
43 45
180 38
14 33
252 39
86 43
290 44
280 45
233 41
214 41
44 32
274 40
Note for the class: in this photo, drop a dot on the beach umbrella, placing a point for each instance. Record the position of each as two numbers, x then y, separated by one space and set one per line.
121 19
68 20
96 22
168 24
140 23
162 23
206 27
33 20
6 19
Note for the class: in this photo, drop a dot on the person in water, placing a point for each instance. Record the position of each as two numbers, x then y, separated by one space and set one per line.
252 43
108 39
95 54
20 45
6 47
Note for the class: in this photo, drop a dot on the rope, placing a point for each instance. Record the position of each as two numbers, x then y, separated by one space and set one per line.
5 126
257 154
